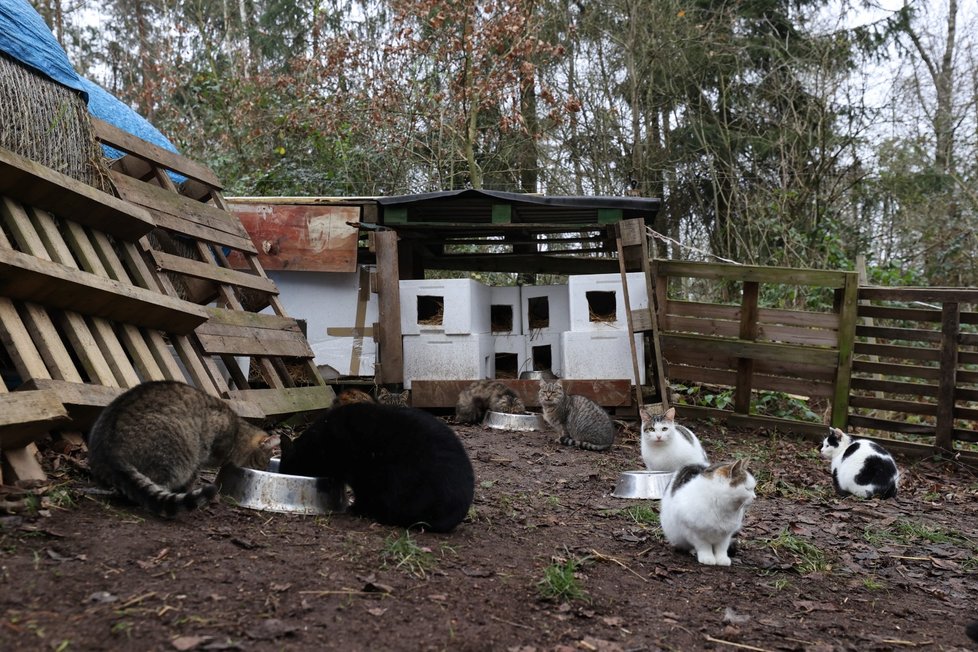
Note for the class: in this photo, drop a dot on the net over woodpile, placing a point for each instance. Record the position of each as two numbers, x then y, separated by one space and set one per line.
49 124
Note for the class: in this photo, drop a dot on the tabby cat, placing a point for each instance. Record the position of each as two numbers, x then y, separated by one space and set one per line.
578 420
386 397
150 443
405 466
703 509
486 396
667 445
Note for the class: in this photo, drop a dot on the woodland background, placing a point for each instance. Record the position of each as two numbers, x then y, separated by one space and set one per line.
777 132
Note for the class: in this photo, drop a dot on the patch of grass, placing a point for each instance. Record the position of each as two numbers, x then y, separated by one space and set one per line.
807 557
62 497
873 584
122 628
560 582
910 530
782 583
404 553
795 492
642 515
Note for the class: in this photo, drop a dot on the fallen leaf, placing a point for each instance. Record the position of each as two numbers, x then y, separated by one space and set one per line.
377 611
102 597
733 618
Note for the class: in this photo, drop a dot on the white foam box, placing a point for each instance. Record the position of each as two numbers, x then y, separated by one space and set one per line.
541 341
464 306
345 356
601 356
437 356
609 287
504 310
554 301
515 344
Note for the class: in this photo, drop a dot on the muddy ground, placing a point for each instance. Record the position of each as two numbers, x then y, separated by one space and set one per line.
547 560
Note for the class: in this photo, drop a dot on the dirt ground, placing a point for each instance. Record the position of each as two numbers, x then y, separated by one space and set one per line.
547 560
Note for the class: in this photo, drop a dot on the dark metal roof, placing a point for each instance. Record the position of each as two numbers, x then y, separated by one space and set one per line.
467 229
476 206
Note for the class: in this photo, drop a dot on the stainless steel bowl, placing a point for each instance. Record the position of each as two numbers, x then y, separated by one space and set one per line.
506 421
642 484
271 491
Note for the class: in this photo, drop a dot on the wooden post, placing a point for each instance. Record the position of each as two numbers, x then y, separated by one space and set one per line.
846 305
748 332
950 327
390 351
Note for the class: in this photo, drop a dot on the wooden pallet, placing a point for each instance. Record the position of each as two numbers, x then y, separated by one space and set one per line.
92 303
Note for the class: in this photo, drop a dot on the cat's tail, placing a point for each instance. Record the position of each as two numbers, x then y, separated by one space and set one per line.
567 440
140 489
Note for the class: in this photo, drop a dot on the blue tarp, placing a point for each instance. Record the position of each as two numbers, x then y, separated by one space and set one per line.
26 38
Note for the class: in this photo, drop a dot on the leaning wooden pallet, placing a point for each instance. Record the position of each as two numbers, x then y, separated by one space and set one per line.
88 305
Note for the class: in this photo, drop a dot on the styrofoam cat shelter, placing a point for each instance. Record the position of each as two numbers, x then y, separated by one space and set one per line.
439 356
504 310
449 306
604 355
597 303
544 308
325 301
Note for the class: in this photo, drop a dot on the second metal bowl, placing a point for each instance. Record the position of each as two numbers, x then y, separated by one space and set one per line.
506 421
642 484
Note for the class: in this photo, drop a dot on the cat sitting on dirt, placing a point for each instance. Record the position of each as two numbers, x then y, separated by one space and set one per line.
486 396
703 509
859 466
151 442
666 445
405 466
578 420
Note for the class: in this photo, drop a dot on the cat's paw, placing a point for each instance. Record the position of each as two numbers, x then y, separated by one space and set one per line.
707 558
722 560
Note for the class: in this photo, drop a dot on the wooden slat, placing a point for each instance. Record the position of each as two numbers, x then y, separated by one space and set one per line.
83 401
390 351
753 350
900 314
805 318
900 370
894 387
28 278
33 184
27 415
929 295
752 273
901 334
761 382
17 341
765 332
126 142
288 401
210 272
185 215
896 352
893 405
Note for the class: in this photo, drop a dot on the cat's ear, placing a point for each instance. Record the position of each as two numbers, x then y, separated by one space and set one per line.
406 394
543 384
286 445
670 414
838 433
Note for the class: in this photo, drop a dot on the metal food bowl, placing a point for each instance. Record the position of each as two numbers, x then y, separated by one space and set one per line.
272 491
506 421
642 484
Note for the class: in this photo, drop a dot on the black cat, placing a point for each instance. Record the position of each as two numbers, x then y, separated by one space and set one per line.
405 466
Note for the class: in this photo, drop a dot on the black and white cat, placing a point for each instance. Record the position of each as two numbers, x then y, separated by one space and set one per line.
703 509
404 466
860 467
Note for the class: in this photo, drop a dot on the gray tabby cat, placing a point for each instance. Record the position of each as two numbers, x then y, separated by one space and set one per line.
387 397
150 443
486 396
578 420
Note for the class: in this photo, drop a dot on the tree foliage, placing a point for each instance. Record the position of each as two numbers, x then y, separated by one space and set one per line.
759 123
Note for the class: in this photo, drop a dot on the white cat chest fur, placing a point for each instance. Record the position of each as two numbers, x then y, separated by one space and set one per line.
597 302
449 306
437 356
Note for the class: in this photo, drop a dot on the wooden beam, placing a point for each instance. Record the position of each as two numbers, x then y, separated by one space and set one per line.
33 184
950 327
390 348
27 415
28 278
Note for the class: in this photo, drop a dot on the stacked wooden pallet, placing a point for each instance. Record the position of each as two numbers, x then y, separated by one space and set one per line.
99 293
